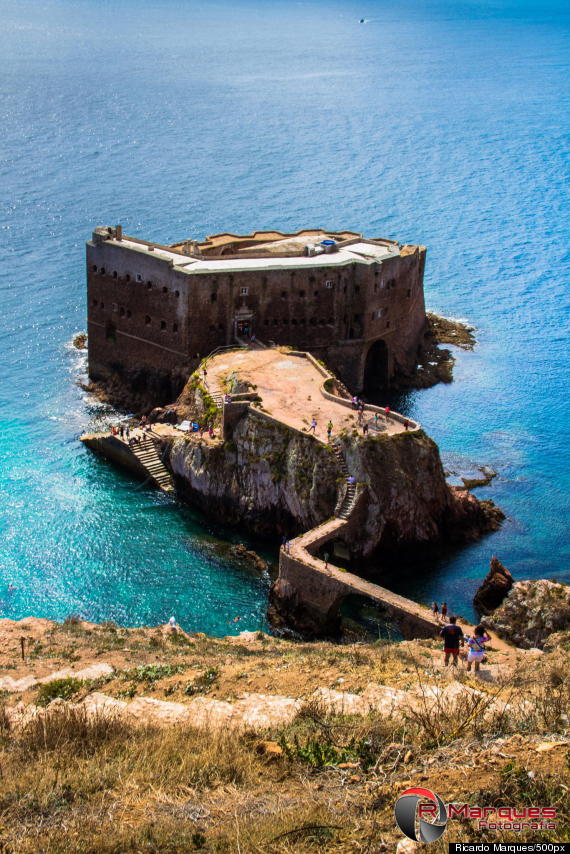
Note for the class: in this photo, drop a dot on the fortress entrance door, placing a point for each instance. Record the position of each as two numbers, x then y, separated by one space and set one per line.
376 367
243 325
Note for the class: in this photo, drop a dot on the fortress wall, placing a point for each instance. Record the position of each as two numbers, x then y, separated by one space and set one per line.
159 331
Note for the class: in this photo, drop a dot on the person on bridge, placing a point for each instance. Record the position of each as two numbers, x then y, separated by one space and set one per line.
452 635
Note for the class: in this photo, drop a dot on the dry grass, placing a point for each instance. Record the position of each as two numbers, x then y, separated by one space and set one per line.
93 784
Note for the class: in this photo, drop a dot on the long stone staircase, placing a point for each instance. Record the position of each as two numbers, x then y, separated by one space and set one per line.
346 504
148 455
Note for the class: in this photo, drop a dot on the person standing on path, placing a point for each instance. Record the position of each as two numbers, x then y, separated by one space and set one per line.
452 639
444 611
435 610
313 426
329 430
476 646
365 428
387 413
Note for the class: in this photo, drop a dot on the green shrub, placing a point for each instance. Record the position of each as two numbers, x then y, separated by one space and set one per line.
58 689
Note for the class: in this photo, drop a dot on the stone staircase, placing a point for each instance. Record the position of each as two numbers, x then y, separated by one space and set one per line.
218 399
148 455
346 505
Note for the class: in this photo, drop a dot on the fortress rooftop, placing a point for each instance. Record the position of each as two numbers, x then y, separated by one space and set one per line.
267 250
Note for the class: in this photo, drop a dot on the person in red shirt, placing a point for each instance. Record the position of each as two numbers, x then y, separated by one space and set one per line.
453 638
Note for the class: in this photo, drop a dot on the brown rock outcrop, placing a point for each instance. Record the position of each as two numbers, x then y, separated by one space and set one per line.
494 588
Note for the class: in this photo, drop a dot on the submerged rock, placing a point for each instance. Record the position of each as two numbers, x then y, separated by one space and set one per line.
532 611
494 588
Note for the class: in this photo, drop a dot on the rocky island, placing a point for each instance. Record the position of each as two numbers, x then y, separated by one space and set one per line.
263 432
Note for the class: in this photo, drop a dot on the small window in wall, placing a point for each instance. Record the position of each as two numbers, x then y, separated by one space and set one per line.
175 327
164 290
94 268
220 325
409 292
283 294
387 324
329 283
321 322
102 305
147 320
266 321
163 324
102 271
316 294
149 286
357 289
139 277
330 321
301 293
213 297
129 313
294 322
176 293
275 321
122 311
115 306
302 321
114 274
311 279
344 289
94 302
244 291
128 277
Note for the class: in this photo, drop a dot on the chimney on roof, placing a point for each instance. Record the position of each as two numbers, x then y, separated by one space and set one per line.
118 232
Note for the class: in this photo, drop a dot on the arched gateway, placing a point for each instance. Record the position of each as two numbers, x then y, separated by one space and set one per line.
376 368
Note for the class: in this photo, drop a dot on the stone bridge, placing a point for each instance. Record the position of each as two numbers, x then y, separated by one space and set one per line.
314 590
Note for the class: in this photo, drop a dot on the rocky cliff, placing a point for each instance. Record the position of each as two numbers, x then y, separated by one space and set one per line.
494 588
267 478
271 479
532 612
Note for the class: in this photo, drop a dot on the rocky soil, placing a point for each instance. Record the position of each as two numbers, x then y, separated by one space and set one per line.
531 612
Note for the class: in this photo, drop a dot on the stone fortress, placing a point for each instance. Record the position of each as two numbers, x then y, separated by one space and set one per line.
154 311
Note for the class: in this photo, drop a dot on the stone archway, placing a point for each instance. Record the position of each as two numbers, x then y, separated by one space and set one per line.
376 373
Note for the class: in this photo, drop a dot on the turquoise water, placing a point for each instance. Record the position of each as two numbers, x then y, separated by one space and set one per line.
441 123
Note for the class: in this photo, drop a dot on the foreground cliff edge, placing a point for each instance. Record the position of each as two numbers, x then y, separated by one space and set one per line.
115 740
370 489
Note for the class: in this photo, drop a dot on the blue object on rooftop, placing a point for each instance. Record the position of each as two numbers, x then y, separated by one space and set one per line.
328 242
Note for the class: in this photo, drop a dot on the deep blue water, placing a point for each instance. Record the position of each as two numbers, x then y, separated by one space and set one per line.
445 123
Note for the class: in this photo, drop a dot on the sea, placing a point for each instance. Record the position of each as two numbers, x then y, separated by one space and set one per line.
440 122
